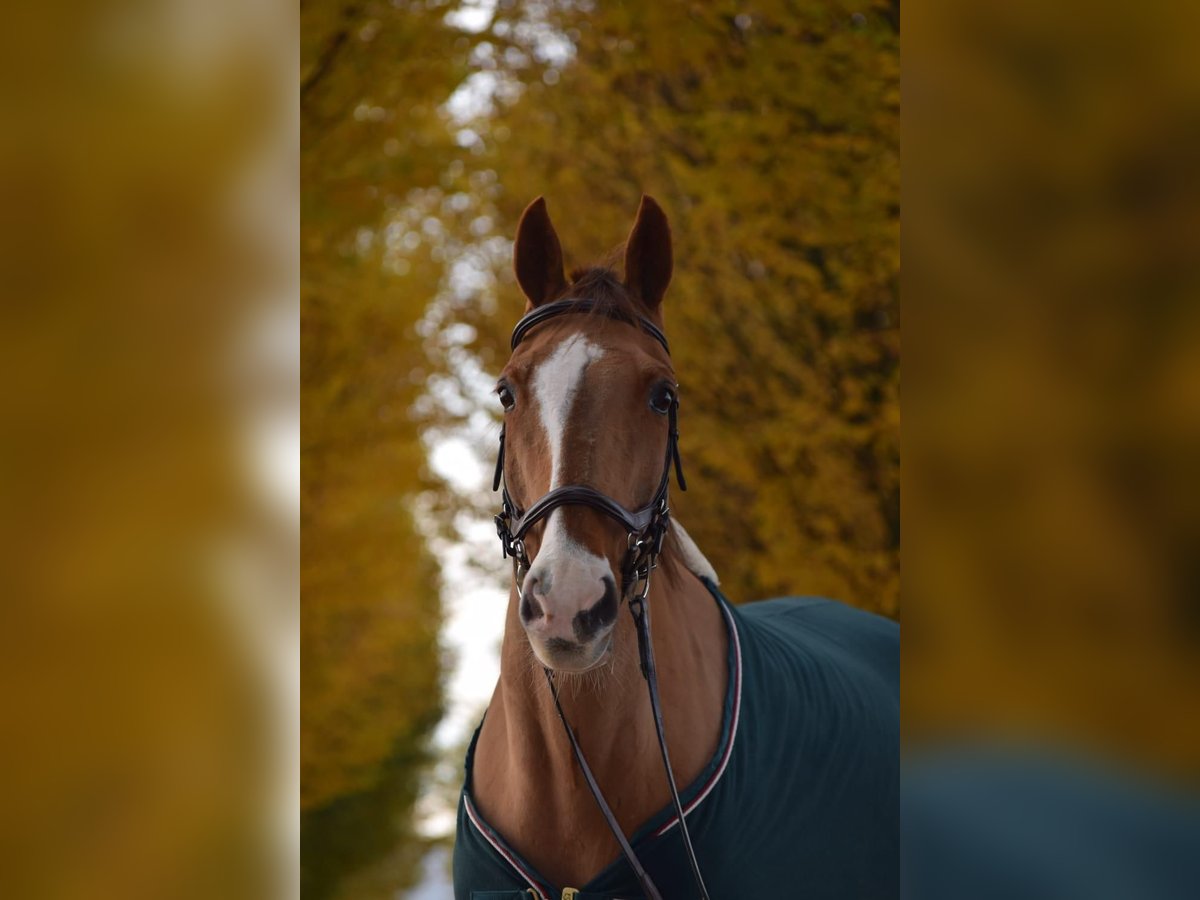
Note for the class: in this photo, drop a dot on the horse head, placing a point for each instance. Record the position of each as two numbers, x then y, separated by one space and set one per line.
589 397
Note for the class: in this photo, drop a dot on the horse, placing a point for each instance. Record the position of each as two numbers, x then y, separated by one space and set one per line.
729 751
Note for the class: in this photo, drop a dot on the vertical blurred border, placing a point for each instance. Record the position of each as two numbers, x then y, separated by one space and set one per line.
1051 663
1052 261
149 661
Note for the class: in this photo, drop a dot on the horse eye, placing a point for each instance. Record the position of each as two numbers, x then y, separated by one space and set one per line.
506 396
661 399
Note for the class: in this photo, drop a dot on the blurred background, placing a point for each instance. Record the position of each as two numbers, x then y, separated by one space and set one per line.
1052 253
769 134
1051 662
149 464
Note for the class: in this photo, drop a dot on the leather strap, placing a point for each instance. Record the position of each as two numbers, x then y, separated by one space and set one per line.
641 615
583 495
632 858
499 464
582 305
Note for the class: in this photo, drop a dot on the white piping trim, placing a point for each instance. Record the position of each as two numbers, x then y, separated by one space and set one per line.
737 711
499 848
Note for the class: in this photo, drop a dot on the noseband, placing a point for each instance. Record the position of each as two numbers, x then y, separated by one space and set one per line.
645 529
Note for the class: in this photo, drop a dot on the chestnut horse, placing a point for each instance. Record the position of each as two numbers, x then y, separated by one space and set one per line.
780 717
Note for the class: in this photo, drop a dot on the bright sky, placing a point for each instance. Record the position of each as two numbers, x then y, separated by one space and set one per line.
474 592
474 604
474 573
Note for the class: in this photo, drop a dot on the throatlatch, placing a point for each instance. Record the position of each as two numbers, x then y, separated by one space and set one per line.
645 528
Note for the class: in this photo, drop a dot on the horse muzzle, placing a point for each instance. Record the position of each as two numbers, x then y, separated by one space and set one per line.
568 615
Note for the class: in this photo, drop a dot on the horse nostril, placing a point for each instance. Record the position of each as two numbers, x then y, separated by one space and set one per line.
601 614
530 609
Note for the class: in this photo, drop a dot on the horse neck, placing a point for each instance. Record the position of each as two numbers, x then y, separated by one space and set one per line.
526 773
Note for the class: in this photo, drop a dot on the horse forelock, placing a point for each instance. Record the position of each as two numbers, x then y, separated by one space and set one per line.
603 288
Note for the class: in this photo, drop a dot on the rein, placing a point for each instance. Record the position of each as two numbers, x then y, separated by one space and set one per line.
645 528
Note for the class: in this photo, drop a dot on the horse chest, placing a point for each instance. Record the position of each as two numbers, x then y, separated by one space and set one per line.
801 798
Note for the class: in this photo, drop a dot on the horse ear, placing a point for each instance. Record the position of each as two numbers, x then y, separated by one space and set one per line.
537 255
648 254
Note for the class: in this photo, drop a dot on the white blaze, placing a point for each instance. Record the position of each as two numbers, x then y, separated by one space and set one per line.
555 386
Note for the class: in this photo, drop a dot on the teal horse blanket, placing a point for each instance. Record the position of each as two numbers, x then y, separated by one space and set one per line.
801 798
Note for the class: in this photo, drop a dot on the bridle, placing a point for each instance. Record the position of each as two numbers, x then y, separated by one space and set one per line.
645 528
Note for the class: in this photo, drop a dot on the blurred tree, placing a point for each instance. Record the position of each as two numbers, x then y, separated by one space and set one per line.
371 82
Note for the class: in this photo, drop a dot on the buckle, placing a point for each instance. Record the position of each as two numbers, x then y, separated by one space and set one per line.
501 521
660 533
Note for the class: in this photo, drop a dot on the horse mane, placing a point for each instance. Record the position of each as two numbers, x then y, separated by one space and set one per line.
690 556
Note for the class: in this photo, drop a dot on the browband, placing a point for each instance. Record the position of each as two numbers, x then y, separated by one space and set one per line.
584 305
